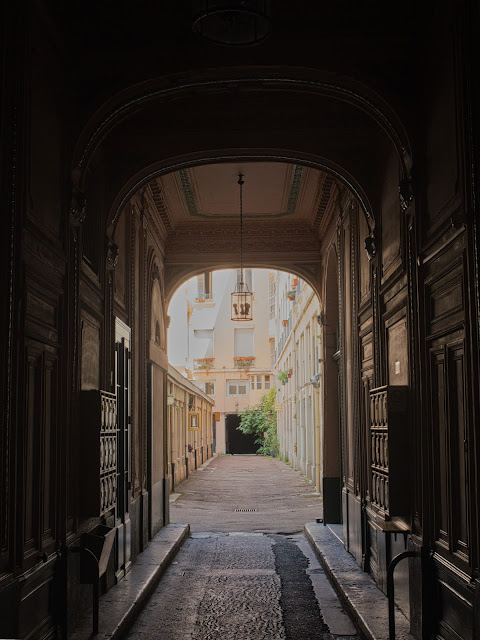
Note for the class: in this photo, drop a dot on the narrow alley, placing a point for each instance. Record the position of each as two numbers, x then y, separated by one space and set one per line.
247 571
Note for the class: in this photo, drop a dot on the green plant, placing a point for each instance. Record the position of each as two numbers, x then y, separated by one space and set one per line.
261 421
283 376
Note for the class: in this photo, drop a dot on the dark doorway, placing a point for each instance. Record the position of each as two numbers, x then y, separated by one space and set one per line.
236 441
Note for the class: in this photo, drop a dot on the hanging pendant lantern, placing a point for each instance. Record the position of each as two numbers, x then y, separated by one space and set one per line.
242 297
242 302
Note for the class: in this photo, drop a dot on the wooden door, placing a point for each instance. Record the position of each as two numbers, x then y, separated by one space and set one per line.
123 378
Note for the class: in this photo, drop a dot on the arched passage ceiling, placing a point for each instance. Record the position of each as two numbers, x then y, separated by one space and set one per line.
239 119
326 91
286 207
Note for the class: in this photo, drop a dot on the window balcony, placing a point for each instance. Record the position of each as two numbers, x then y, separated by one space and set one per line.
206 297
203 363
243 362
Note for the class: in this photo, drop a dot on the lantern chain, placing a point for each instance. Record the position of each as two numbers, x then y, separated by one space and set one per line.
241 182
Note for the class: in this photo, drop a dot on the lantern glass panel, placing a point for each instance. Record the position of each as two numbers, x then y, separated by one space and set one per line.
242 305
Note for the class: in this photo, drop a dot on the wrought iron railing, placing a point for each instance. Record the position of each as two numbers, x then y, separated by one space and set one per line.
203 363
243 362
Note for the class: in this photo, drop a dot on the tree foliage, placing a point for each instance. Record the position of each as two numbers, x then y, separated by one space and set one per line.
261 421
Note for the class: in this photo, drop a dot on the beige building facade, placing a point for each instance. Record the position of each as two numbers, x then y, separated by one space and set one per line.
190 427
229 360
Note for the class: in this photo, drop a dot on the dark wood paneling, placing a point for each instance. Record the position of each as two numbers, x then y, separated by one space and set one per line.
450 447
454 600
40 452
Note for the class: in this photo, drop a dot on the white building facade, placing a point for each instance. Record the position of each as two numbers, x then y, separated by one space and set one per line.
296 324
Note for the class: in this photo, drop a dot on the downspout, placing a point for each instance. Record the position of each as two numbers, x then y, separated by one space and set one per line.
316 408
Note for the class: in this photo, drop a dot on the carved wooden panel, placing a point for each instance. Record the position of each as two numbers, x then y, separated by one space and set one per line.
39 451
363 262
366 351
388 450
90 362
391 220
121 272
397 348
98 489
446 298
450 445
442 153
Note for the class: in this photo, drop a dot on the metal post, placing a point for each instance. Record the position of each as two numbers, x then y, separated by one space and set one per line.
391 589
90 576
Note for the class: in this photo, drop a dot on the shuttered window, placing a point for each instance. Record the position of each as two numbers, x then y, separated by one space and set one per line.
243 342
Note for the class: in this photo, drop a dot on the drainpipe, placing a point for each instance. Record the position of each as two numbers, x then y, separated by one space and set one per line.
316 408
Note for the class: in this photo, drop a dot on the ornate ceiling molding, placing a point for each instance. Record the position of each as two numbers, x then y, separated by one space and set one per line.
191 202
175 165
322 197
160 204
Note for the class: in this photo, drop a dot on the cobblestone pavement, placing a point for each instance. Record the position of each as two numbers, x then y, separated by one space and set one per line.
244 585
246 493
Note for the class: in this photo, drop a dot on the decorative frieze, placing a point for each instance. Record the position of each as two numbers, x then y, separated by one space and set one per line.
268 237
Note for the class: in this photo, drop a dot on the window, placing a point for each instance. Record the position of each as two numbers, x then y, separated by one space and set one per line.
207 386
267 382
204 286
259 382
203 343
271 297
237 387
252 383
210 388
272 353
243 342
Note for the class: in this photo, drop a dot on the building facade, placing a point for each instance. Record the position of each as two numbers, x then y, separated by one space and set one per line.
298 331
229 360
190 424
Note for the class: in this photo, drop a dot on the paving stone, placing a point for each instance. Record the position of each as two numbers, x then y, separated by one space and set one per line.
367 605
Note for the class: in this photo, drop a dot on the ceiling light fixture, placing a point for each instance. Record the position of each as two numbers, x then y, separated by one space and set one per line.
241 297
232 22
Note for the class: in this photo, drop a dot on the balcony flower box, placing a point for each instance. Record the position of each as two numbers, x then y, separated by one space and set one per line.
284 322
203 363
291 295
243 362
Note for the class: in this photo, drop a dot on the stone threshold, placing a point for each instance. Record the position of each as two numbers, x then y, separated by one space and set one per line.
365 603
121 605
